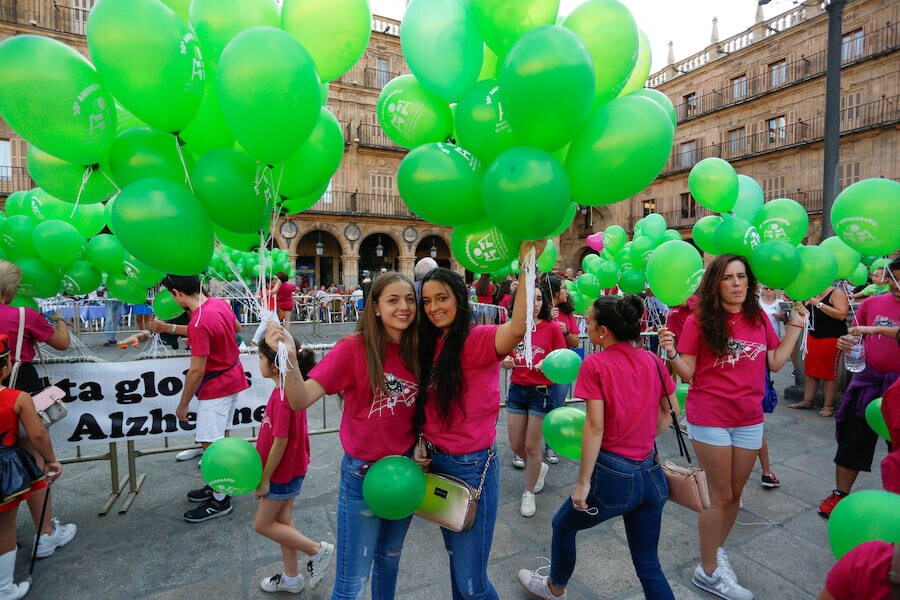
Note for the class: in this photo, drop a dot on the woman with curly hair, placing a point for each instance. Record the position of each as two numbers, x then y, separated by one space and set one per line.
723 352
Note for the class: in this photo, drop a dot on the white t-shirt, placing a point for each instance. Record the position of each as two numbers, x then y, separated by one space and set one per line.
772 311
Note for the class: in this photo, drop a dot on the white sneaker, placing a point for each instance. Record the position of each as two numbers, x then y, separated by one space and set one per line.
527 508
721 583
539 485
59 537
276 583
518 461
551 456
318 564
536 584
722 563
189 454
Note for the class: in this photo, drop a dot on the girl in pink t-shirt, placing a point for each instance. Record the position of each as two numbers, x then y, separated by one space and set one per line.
459 409
283 445
375 371
628 394
723 352
531 398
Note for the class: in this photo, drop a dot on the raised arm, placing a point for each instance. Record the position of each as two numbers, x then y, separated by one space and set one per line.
300 393
779 355
511 333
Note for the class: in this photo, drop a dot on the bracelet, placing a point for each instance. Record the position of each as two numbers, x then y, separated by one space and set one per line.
795 325
676 357
173 327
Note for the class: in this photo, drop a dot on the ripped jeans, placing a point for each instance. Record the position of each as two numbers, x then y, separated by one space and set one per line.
364 539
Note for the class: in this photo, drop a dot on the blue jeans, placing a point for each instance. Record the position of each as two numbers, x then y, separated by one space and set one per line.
470 550
637 490
114 310
532 400
363 538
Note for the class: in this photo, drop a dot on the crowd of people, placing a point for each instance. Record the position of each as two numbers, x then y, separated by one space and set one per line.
424 366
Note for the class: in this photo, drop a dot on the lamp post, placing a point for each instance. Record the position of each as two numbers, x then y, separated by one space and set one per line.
320 247
379 249
434 250
835 9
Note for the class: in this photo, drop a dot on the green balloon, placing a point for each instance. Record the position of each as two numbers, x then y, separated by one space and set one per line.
57 242
672 235
547 260
208 131
225 182
818 270
335 37
232 465
394 487
217 22
735 236
526 193
860 275
878 263
80 278
105 252
674 272
502 22
681 391
588 285
581 302
126 289
782 219
714 184
481 126
149 59
292 206
775 264
141 273
25 302
442 47
164 305
625 144
241 241
641 249
316 161
410 115
67 181
591 263
608 274
611 35
749 199
704 231
623 256
864 216
442 183
40 279
187 244
180 7
562 429
18 203
566 222
143 152
847 258
875 419
641 69
632 281
482 247
561 366
614 238
654 226
547 87
269 93
17 235
864 516
52 96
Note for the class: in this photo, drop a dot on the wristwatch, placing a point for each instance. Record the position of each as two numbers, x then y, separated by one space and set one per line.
173 327
820 305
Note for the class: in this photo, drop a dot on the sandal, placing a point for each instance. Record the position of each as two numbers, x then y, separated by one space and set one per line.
800 405
827 411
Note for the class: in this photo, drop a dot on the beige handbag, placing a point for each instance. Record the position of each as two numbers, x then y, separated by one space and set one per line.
48 402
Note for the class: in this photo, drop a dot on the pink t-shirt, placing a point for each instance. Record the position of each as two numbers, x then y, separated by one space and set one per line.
882 352
284 297
281 421
862 573
890 466
678 315
37 329
474 427
626 379
546 338
727 391
373 425
569 321
211 334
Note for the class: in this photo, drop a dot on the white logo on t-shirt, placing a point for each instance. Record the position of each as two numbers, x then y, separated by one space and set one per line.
739 349
398 391
518 353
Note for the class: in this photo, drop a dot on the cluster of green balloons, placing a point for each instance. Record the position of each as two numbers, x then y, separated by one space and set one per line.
541 112
196 121
862 517
563 428
393 487
231 264
232 465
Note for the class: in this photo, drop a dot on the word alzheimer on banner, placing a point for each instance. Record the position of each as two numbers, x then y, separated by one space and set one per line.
116 401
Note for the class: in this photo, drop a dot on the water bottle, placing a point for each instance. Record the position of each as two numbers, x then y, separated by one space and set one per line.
855 357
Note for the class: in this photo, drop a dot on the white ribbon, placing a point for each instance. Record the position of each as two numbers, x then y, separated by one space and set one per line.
529 271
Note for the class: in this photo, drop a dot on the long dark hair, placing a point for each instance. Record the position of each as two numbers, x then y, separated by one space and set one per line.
483 285
710 314
544 313
622 316
553 283
445 373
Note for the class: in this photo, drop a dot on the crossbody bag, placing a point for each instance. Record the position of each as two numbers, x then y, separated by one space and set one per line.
48 402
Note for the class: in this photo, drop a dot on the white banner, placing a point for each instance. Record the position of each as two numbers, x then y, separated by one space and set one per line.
121 401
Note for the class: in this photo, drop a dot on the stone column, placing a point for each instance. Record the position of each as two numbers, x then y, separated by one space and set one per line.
350 266
407 265
457 268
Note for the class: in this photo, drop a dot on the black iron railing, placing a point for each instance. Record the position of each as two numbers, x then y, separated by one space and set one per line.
14 179
361 204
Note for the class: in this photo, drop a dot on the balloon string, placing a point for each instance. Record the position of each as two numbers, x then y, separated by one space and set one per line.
187 176
529 272
84 178
111 182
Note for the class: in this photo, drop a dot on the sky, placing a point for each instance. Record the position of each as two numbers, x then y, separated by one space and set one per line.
688 23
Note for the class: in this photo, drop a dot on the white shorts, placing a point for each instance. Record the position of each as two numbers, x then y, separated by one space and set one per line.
214 417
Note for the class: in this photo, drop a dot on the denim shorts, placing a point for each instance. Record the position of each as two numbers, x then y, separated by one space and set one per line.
748 438
285 491
535 400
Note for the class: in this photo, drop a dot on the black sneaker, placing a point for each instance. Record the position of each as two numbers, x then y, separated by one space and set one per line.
201 495
210 509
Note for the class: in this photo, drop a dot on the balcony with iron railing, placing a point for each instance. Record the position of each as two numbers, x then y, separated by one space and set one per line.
873 44
14 179
361 205
373 137
43 15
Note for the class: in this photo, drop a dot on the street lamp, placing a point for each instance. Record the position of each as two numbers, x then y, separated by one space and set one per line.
379 249
320 247
434 250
